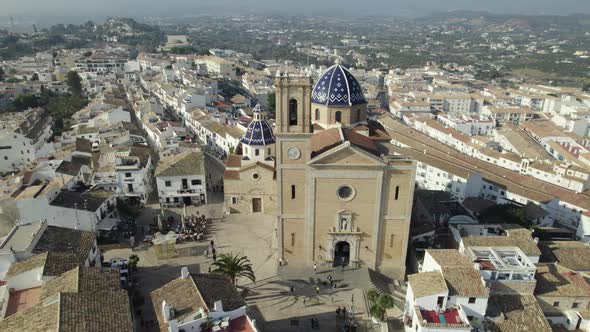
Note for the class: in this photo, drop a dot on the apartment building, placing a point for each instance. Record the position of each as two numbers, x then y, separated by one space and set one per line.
182 179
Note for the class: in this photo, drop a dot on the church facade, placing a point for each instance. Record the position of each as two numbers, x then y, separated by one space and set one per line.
342 198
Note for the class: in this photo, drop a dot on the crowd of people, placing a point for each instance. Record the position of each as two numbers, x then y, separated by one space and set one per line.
193 228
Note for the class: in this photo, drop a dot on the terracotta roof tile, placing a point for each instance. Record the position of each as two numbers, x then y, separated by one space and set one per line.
427 283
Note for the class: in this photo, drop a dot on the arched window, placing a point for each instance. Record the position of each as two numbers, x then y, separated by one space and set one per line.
292 112
358 115
338 116
317 114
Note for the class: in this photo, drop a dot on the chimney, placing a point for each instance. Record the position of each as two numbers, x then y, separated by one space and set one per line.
166 311
184 272
218 306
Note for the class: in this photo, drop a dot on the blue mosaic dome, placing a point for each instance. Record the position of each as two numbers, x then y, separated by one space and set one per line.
259 131
337 87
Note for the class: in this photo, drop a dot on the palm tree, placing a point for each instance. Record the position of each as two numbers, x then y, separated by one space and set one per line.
233 266
379 303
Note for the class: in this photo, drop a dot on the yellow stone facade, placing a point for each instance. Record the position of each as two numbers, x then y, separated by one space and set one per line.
342 202
250 190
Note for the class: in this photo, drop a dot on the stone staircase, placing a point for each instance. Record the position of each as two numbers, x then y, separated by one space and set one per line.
386 285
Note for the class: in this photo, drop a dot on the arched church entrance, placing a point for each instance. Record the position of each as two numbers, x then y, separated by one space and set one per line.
341 253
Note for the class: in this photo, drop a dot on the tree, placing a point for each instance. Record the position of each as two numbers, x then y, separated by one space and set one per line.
233 266
35 77
272 102
25 101
1 74
379 303
133 260
75 83
87 54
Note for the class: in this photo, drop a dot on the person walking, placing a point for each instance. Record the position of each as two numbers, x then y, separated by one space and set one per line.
344 312
304 301
330 278
292 289
338 311
317 289
315 268
214 257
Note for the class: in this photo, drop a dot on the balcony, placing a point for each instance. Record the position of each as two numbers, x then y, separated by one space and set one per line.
186 191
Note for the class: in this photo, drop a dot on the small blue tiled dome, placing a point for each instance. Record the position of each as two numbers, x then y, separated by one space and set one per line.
259 131
337 87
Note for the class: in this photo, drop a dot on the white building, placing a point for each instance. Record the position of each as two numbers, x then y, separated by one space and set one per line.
63 208
23 138
448 286
469 125
134 175
193 300
181 179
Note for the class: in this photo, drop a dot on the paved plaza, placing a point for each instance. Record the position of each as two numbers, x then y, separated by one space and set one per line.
281 299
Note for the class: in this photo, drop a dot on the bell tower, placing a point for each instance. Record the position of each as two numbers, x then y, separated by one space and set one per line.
293 104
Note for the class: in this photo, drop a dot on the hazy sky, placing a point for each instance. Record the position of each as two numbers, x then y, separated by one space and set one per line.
136 8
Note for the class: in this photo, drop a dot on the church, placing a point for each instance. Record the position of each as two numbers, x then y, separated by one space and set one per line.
341 198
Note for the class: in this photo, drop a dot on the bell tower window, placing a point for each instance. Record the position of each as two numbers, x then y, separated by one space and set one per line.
292 112
317 114
338 116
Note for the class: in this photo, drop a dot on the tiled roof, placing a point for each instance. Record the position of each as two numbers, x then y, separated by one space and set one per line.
509 287
216 287
89 200
517 313
181 295
558 281
83 145
186 295
520 238
69 167
464 281
185 163
449 257
331 138
38 318
573 255
427 283
83 279
337 87
92 313
63 239
60 262
66 282
27 265
427 150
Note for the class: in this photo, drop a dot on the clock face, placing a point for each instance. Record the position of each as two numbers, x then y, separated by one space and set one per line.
294 153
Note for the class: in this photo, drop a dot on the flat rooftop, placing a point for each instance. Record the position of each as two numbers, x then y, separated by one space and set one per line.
90 200
21 237
449 316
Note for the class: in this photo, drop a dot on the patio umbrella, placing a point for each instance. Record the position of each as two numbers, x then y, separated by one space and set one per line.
160 226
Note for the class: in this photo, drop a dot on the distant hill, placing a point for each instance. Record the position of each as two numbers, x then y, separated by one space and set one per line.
533 22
